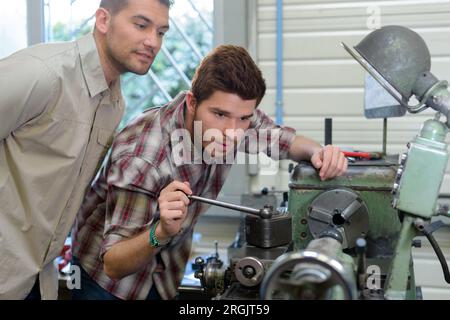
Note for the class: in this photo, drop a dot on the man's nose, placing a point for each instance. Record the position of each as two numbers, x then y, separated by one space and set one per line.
151 40
231 132
231 127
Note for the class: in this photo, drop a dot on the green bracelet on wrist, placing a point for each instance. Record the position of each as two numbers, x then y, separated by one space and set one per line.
154 242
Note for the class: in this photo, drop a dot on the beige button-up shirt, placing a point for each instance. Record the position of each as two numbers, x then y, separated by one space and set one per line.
57 120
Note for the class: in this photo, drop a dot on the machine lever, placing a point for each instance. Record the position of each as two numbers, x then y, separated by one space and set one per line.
265 213
361 246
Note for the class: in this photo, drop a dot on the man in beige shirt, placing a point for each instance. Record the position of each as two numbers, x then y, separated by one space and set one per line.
59 107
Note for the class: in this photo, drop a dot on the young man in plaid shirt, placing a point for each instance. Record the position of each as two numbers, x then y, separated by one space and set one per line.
132 237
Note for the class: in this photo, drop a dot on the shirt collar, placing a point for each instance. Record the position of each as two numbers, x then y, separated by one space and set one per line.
177 120
91 66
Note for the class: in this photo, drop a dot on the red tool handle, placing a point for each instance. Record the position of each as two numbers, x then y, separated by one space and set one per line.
365 155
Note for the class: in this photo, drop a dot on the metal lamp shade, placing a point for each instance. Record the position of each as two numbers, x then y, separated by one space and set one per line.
398 54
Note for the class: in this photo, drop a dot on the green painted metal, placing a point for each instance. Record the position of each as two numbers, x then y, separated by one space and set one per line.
411 291
347 261
388 244
298 207
398 281
374 176
423 171
433 130
373 184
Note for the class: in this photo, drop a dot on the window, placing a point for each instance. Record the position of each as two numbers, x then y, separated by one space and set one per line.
190 38
68 19
13 27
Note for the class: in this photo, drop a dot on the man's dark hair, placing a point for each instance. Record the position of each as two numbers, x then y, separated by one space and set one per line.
115 6
229 69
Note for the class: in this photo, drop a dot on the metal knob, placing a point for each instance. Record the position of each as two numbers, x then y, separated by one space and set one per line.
361 246
199 262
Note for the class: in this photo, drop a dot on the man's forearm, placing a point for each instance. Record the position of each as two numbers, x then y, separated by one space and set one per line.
129 256
303 148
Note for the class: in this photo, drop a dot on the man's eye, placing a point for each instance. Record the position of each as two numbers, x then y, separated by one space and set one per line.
139 26
220 115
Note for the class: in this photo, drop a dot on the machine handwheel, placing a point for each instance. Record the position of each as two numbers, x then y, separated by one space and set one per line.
306 275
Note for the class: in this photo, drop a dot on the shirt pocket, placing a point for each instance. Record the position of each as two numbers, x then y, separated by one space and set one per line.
104 141
97 152
105 138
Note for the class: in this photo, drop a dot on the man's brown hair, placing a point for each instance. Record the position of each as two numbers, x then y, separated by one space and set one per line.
229 69
115 6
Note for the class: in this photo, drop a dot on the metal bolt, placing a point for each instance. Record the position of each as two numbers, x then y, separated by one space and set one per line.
303 221
248 272
419 224
303 235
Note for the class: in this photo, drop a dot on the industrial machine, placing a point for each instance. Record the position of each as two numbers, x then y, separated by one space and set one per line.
399 60
349 220
351 237
336 241
268 233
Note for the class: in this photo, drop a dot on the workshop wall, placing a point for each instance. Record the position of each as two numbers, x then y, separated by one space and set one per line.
321 80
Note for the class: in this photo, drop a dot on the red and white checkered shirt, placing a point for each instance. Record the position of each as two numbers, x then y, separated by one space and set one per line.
122 201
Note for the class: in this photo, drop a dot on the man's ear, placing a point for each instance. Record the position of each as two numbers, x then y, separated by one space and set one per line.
102 20
191 102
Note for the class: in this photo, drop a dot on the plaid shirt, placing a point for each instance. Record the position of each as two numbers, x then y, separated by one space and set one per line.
122 201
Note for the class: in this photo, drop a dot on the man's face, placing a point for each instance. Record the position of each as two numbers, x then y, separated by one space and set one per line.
224 117
135 35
